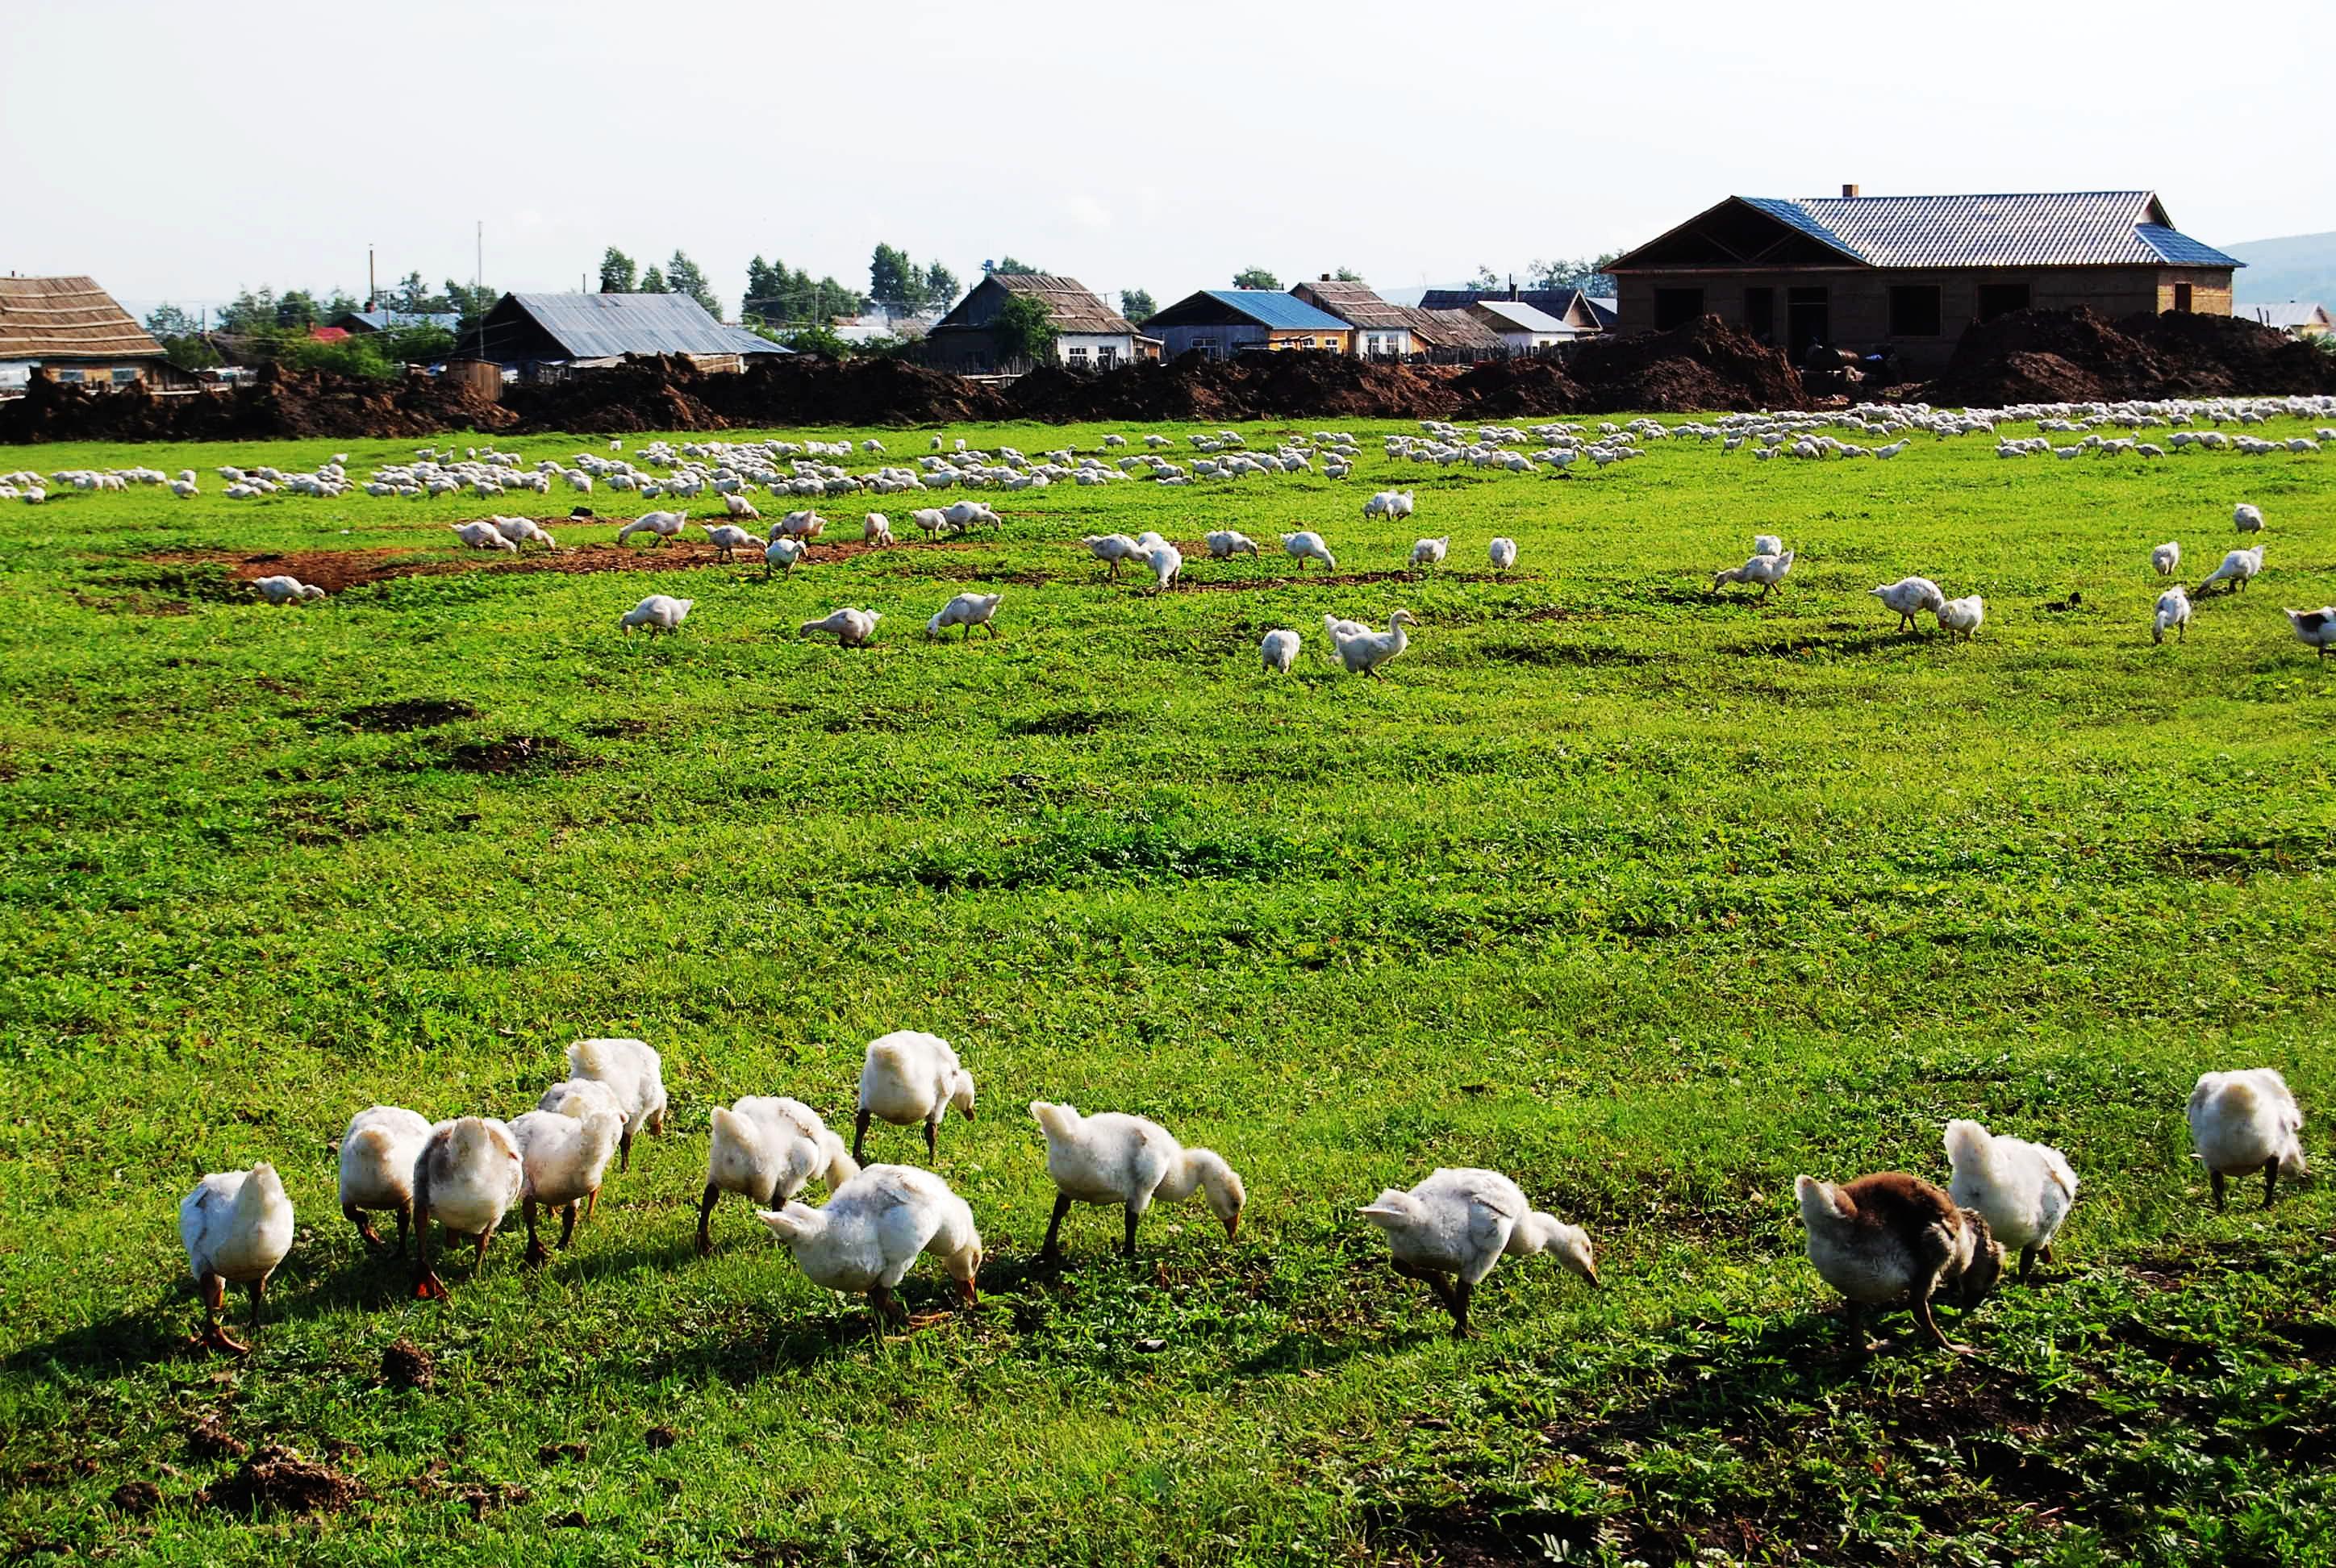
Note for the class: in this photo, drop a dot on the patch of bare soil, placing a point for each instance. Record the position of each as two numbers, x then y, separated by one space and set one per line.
511 754
336 571
1324 579
406 1364
137 1498
660 1438
278 1479
407 713
207 1439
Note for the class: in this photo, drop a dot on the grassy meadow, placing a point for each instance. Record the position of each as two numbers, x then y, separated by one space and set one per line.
1647 897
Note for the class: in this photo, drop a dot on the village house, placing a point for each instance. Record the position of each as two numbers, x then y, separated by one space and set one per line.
1380 331
1089 334
2296 318
1908 273
528 332
1520 326
1220 323
72 329
359 323
1581 314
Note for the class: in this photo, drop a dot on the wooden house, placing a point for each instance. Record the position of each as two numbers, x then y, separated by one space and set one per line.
529 331
1380 331
1220 323
1088 334
1576 312
72 329
1910 273
2296 318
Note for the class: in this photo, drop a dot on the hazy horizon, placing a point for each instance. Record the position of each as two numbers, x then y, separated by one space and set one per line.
245 144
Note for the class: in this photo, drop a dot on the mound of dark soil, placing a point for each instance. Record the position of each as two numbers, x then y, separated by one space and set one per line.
138 1498
207 1439
1705 366
279 401
511 754
2081 357
397 718
280 1479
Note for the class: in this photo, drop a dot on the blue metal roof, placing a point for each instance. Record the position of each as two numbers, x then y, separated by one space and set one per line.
604 325
2077 228
1271 308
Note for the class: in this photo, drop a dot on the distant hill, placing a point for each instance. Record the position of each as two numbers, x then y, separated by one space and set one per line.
2299 267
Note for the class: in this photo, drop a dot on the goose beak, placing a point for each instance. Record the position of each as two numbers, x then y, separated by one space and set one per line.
972 1297
1232 1226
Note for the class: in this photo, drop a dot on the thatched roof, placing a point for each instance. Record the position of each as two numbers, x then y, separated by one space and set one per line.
1074 309
1450 329
67 318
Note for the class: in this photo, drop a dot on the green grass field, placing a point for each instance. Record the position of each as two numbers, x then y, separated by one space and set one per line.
1649 898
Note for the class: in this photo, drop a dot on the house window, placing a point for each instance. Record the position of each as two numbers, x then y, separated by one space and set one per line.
1078 358
2001 299
69 375
1760 312
1107 357
1206 348
1915 310
1677 307
2182 297
1808 318
123 377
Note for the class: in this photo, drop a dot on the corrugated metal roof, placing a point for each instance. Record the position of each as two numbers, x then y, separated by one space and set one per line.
2073 229
1522 316
1271 308
67 318
2285 312
605 326
382 320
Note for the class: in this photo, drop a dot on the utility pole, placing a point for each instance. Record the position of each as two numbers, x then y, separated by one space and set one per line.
373 293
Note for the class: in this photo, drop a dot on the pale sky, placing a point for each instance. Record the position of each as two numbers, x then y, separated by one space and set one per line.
183 152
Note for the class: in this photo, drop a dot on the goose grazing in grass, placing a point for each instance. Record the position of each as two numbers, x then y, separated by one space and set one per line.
482 536
1228 542
2166 557
2239 568
581 1098
1363 652
876 531
1891 1236
867 1235
765 1148
377 1156
968 610
1112 549
2173 610
635 1074
1278 651
237 1226
1450 1231
286 591
1306 545
563 1160
1428 552
852 627
467 1177
908 1078
1504 553
1909 595
658 612
727 538
2314 628
2244 1122
523 532
1128 1161
781 555
1764 569
2247 519
1962 617
1167 564
1767 544
660 526
2024 1191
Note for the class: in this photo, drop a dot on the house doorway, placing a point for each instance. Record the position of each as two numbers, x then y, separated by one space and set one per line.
1808 318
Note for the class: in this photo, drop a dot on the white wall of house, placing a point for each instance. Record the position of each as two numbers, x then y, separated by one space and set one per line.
1374 341
1095 350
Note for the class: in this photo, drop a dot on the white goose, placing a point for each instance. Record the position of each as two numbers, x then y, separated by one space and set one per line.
1451 1230
377 1156
764 1148
1127 1162
877 1224
852 628
467 1177
635 1074
563 1160
911 1077
1363 652
1908 595
237 1226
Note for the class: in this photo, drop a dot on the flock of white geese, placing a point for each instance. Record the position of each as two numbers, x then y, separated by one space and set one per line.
1882 1240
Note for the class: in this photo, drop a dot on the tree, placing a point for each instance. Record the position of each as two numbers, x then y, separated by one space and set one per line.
653 281
682 277
1136 305
618 274
1009 266
940 286
894 281
190 353
1484 278
1026 327
1346 275
165 321
419 345
413 296
1585 274
295 310
248 313
1255 278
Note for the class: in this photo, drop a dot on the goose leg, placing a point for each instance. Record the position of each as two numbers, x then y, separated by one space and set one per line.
932 1143
1462 1292
258 1288
1133 1215
405 1219
215 1336
887 1309
427 1286
859 1136
1920 1302
2271 1183
365 1232
2216 1178
479 1258
2027 1264
567 1228
624 1148
713 1195
1052 1253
